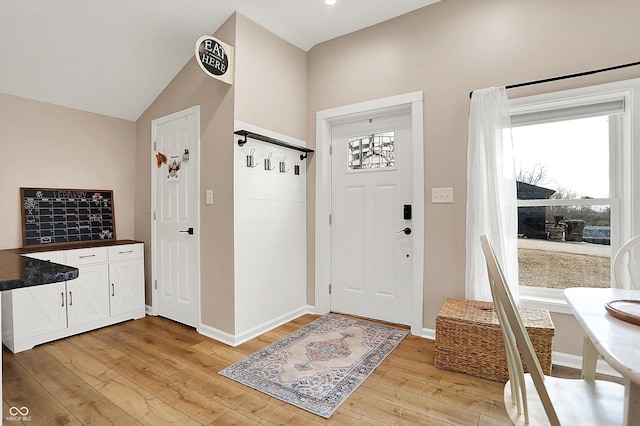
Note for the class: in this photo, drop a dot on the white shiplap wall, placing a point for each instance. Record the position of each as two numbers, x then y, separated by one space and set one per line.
270 235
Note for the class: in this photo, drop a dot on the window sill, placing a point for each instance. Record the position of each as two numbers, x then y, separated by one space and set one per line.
552 304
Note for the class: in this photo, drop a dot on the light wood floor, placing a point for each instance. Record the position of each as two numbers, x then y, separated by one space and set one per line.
154 371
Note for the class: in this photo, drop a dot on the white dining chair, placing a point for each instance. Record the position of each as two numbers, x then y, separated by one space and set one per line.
626 265
533 398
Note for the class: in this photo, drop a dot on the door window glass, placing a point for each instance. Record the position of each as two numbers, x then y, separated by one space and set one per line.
371 151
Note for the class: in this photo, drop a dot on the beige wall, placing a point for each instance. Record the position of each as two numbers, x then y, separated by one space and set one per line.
271 81
193 87
49 146
270 92
446 50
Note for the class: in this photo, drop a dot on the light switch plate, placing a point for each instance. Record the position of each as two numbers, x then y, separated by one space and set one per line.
209 196
442 195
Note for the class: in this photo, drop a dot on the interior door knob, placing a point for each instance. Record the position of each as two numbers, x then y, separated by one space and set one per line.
190 231
406 231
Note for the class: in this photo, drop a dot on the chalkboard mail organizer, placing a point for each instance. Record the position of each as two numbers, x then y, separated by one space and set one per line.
57 216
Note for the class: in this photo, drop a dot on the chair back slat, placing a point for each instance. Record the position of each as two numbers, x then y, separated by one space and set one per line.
515 334
626 265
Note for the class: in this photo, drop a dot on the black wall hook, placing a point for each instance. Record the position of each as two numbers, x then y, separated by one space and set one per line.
241 142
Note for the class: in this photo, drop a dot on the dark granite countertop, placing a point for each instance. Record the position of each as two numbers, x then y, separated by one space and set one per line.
18 271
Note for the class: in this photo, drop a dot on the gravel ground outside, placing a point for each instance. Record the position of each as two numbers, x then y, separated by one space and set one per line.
549 269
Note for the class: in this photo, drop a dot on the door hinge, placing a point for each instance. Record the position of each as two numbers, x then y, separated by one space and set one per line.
330 219
154 146
155 284
154 215
330 149
329 288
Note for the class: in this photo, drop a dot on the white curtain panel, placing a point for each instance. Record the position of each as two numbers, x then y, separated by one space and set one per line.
491 192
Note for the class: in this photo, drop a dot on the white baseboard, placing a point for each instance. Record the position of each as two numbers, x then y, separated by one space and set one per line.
150 311
428 333
215 334
235 340
575 361
557 358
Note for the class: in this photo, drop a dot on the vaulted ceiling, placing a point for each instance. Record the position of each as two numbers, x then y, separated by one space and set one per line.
114 57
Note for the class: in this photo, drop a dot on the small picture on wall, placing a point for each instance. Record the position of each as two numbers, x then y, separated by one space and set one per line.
173 167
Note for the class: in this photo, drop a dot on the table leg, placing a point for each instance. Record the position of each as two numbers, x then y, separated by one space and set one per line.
631 403
589 359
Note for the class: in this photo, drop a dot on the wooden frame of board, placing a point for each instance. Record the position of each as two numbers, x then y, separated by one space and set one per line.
70 216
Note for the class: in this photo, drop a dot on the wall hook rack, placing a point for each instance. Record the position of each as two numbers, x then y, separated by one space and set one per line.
247 134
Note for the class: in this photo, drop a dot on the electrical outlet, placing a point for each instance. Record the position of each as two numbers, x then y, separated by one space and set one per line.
442 195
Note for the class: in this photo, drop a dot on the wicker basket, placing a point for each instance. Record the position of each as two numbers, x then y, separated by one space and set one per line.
469 339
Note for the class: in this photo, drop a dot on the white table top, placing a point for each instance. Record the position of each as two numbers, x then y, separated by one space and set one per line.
617 341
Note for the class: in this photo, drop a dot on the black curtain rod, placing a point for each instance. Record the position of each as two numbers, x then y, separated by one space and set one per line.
564 77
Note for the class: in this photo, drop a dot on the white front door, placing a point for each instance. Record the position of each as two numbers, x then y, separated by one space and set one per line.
176 264
371 261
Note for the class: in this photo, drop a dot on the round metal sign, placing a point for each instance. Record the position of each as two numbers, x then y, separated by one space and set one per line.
212 56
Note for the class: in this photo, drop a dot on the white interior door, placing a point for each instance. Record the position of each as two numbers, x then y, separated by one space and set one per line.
176 221
371 261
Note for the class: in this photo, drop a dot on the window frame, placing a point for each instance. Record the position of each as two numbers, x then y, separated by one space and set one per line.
624 129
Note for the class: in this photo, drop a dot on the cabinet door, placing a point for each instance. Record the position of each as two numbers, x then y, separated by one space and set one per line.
39 310
88 295
126 286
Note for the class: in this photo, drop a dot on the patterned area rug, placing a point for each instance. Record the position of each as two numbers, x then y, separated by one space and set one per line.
317 367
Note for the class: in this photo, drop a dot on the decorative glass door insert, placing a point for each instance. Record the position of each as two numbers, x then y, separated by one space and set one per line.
371 151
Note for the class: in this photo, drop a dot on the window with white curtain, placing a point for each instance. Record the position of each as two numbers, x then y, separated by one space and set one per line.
574 162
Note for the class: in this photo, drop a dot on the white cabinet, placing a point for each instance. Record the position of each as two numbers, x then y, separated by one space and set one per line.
125 270
88 295
109 289
50 256
86 256
36 312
